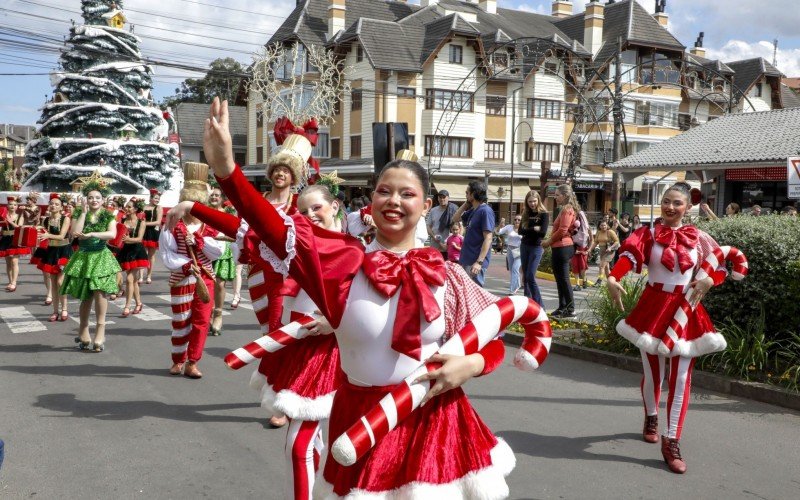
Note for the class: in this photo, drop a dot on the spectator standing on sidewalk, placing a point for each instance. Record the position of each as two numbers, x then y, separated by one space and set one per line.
535 221
439 220
478 219
563 249
582 236
607 242
513 258
454 242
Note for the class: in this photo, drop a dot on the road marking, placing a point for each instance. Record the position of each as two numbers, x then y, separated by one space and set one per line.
76 317
19 320
147 314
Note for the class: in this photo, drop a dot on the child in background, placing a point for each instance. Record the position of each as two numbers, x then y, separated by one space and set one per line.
454 242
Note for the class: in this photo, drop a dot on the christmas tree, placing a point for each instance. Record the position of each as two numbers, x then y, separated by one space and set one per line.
102 116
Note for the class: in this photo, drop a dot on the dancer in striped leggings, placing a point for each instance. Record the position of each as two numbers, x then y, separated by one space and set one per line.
672 252
188 251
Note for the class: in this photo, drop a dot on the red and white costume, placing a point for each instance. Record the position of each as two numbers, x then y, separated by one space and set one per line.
672 256
299 380
360 294
190 316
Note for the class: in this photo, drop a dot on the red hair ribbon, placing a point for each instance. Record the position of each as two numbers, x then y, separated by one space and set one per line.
53 196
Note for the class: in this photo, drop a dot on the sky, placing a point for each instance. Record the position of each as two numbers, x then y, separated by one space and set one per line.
195 32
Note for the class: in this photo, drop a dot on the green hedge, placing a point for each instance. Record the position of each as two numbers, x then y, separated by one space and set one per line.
772 246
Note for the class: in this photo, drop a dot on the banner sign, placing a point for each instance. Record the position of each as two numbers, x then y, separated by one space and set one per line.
793 177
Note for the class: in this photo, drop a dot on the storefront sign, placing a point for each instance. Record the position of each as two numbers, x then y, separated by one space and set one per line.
793 177
755 174
588 186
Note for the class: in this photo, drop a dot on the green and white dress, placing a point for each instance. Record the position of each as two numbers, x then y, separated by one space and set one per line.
225 266
93 267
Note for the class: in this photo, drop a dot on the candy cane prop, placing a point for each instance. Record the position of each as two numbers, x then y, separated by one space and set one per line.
708 267
271 342
405 398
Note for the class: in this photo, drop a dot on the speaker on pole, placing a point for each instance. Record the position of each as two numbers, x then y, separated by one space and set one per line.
387 140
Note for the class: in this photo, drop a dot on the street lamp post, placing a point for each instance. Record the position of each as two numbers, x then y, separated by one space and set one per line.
513 142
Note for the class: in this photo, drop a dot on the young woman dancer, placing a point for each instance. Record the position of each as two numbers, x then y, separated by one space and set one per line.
382 338
299 380
152 218
56 255
672 253
224 267
132 257
188 251
91 272
12 220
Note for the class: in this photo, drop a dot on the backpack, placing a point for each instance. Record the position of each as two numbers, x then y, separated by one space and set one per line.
580 230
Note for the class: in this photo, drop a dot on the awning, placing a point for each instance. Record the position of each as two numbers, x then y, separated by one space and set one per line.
498 192
458 190
355 182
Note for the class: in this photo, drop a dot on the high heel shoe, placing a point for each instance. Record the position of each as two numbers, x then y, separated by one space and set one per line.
83 346
53 318
138 308
99 347
64 315
126 312
235 301
48 301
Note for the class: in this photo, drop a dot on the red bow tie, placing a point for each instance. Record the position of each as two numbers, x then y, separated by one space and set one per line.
420 269
679 241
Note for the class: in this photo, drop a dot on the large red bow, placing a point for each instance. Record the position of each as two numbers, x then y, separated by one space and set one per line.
310 130
679 241
420 269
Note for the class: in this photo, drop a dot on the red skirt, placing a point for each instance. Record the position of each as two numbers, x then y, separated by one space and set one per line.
648 322
580 262
300 380
442 450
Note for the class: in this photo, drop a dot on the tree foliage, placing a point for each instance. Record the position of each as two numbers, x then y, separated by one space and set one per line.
222 79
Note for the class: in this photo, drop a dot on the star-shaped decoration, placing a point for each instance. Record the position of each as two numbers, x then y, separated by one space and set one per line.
96 177
332 178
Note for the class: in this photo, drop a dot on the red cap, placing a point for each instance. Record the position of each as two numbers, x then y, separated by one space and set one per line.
154 192
12 198
53 196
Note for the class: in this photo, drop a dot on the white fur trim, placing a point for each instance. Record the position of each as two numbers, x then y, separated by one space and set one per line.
281 266
240 233
525 361
486 484
290 403
707 343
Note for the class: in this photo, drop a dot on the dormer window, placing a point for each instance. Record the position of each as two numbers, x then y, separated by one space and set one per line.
456 54
359 53
759 90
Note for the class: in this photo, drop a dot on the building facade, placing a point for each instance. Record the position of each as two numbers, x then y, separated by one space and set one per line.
477 108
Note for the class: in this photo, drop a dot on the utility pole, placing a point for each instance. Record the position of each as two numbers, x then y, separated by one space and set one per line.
617 112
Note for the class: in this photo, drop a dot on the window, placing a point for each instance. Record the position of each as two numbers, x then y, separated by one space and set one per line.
239 158
355 146
355 100
412 139
494 150
542 151
628 68
456 54
406 92
359 53
448 99
658 114
496 105
551 68
541 108
284 68
259 116
321 149
658 68
456 147
336 148
259 155
759 90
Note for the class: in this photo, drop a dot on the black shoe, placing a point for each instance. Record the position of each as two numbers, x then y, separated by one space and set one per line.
556 314
568 314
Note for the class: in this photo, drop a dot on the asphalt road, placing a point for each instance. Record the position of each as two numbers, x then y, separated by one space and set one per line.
116 425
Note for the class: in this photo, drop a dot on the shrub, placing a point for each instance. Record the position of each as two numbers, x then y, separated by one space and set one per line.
772 246
605 314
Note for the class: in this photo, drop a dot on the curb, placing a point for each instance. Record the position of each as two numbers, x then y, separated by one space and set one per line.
755 391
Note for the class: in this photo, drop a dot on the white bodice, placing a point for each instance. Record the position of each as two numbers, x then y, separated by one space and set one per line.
365 335
300 304
657 273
